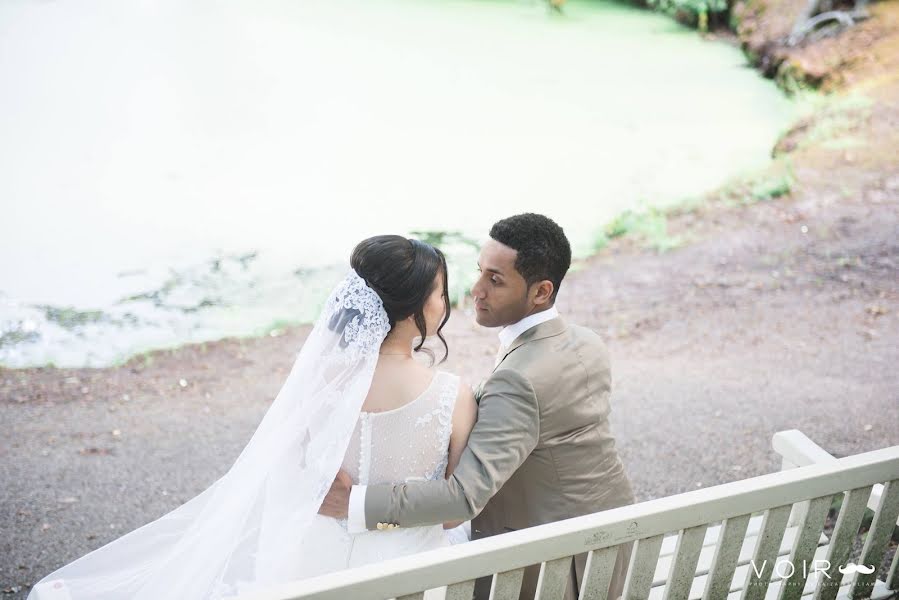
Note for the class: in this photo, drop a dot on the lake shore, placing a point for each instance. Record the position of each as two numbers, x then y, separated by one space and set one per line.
770 304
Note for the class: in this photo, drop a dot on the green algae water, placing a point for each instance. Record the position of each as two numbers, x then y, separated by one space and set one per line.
174 172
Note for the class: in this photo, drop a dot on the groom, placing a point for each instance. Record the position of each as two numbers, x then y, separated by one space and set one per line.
541 449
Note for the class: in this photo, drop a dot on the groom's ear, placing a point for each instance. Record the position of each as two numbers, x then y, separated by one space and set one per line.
543 292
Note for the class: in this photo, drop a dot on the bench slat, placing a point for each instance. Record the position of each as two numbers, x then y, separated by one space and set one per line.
506 585
876 541
598 573
460 591
766 552
725 559
892 582
683 568
642 567
851 512
554 575
805 547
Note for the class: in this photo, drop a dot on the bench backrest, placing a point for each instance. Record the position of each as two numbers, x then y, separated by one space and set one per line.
687 515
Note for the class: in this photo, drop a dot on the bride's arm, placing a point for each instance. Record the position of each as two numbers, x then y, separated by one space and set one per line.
465 413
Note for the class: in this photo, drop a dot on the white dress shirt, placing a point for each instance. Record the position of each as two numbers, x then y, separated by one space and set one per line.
507 335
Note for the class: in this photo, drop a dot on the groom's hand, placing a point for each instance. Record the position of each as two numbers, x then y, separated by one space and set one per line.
337 502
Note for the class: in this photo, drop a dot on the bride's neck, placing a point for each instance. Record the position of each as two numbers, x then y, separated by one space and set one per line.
397 345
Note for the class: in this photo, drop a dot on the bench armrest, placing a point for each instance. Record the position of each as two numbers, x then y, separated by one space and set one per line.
797 450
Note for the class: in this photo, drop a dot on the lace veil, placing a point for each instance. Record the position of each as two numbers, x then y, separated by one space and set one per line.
241 532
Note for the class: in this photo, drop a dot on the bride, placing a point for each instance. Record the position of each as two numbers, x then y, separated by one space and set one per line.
355 399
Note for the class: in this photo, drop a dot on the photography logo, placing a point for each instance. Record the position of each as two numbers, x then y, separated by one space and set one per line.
854 568
785 569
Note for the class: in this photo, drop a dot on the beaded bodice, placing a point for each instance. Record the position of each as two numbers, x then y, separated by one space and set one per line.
406 443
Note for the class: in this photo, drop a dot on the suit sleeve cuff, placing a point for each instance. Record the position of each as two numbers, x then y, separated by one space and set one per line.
356 511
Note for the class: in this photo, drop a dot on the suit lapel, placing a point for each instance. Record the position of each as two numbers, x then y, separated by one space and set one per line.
537 332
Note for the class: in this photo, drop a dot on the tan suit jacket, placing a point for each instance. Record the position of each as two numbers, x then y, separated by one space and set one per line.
540 451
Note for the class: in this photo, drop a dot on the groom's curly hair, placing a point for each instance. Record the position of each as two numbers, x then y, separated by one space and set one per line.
543 249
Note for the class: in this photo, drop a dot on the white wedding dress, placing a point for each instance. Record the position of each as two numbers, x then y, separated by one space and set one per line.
403 444
258 525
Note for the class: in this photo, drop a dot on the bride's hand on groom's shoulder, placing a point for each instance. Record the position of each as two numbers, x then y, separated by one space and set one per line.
337 502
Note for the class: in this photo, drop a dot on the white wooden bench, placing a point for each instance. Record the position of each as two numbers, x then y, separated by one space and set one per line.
735 541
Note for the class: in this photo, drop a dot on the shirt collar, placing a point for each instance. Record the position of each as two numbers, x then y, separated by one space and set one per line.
508 334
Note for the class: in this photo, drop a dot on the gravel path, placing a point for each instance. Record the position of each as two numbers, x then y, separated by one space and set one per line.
754 327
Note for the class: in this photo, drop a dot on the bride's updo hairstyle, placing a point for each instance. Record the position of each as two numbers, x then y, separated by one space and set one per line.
403 273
